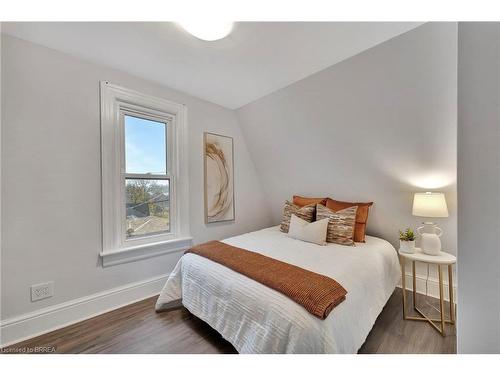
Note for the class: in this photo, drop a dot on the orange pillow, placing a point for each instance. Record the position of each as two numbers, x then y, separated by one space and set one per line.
361 215
304 201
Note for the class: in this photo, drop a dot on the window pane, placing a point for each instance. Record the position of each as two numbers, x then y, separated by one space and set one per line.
148 207
145 146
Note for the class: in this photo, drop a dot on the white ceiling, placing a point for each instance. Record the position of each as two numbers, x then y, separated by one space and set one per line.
256 59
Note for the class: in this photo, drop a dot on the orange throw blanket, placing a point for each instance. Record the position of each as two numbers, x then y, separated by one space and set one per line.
317 293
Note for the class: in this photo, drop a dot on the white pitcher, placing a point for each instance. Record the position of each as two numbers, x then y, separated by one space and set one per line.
430 242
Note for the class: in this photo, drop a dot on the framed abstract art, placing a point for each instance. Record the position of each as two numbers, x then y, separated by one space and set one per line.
219 177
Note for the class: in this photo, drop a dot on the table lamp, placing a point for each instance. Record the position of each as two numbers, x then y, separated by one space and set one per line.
430 205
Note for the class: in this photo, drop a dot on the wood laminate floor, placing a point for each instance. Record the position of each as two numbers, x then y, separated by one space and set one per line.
137 328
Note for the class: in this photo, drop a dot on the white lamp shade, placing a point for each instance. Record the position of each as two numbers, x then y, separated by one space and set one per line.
429 205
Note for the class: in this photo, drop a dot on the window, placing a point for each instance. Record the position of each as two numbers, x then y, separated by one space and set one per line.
144 175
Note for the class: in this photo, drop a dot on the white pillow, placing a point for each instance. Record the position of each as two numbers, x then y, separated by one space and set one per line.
314 232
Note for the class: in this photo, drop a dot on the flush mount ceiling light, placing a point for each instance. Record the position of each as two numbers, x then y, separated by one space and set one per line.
207 30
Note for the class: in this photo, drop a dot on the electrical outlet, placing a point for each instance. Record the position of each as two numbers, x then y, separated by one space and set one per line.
42 291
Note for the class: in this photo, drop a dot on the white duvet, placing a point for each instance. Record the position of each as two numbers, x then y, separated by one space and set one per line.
257 319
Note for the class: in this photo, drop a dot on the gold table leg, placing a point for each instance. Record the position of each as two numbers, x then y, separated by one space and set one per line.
450 291
414 275
403 284
423 317
441 297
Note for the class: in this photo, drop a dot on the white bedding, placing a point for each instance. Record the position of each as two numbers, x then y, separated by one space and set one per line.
257 319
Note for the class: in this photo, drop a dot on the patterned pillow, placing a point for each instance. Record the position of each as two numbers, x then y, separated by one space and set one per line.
306 213
341 224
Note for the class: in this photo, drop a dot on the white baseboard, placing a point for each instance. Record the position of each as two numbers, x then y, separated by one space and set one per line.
432 286
45 320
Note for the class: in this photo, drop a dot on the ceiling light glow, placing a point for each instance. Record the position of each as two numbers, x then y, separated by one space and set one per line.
207 30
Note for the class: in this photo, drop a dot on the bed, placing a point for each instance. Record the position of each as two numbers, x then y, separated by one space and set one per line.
257 319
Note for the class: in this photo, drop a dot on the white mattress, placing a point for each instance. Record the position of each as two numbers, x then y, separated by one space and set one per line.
257 319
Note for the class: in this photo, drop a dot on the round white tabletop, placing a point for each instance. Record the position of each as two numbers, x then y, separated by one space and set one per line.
419 256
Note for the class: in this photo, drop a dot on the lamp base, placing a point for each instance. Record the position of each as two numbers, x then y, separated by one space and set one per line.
430 242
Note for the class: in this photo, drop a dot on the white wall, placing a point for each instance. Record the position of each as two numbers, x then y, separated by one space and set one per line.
376 127
478 319
51 177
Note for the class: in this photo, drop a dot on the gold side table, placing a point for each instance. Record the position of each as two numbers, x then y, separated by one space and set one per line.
441 260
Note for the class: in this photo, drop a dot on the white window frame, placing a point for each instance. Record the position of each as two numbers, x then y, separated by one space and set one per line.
127 110
116 102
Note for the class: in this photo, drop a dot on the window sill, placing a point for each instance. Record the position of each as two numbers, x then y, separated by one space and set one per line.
134 253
